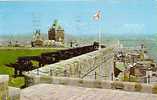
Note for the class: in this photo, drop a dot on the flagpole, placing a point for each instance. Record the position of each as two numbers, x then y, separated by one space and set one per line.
97 17
99 31
99 34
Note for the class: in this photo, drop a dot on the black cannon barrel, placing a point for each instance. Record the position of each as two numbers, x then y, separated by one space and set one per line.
24 63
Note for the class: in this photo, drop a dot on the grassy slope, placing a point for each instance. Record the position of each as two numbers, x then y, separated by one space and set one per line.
10 55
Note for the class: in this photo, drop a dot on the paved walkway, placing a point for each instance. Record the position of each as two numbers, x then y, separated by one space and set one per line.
61 92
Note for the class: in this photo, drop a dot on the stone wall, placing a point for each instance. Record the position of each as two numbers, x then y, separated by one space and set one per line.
4 87
63 92
8 93
81 70
14 93
84 66
104 84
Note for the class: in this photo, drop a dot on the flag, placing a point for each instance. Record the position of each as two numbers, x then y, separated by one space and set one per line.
97 16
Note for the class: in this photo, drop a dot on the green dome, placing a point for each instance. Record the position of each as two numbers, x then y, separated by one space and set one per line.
56 25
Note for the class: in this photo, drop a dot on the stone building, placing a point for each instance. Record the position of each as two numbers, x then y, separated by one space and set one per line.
37 39
56 32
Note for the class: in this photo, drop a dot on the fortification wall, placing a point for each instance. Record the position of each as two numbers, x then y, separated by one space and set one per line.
8 93
103 84
93 65
4 87
78 71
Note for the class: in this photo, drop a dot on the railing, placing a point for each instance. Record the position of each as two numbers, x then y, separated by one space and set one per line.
79 74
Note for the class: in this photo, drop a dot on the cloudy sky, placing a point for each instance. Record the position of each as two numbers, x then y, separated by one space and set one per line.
118 16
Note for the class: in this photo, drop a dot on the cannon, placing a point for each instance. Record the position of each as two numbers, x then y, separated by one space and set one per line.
26 63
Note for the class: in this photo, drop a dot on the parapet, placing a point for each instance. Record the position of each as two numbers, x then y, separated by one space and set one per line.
8 93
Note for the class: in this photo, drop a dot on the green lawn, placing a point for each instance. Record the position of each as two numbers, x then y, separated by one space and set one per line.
8 55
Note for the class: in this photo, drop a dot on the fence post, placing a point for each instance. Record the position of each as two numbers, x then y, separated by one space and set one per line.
95 75
79 73
112 76
37 71
65 73
50 72
148 79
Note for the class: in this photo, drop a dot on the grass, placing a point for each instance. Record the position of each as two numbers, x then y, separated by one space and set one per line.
8 55
16 82
120 66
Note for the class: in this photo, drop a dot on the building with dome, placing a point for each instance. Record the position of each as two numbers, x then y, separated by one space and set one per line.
56 32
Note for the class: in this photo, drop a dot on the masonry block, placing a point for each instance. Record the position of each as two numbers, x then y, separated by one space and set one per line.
14 93
4 87
154 89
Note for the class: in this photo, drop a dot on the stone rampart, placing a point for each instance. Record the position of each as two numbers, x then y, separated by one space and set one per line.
8 93
85 66
91 83
4 87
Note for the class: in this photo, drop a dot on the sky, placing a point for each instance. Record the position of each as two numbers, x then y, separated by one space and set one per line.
76 17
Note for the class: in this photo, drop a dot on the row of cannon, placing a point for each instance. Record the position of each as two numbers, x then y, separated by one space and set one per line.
26 63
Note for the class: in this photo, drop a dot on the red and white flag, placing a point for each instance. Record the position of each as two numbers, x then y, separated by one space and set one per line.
97 16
